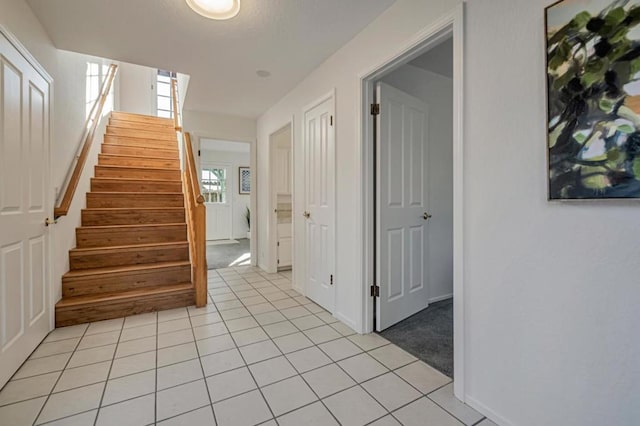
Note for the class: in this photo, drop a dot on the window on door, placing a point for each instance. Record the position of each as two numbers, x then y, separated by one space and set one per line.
163 84
214 184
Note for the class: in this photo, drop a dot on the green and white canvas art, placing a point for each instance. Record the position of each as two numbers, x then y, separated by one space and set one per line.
593 72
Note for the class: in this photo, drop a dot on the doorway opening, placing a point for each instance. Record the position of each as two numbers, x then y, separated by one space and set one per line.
225 181
413 176
281 198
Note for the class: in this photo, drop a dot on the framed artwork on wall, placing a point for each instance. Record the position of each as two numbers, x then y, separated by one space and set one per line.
593 99
244 180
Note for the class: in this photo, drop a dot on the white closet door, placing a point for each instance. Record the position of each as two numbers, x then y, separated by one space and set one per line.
24 205
320 200
402 205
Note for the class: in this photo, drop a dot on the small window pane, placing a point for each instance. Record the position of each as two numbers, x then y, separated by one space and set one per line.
164 90
164 79
164 114
164 103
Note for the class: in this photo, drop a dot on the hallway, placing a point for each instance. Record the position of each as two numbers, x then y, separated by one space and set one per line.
258 352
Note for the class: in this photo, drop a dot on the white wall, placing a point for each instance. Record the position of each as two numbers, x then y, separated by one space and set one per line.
437 92
551 289
239 202
136 89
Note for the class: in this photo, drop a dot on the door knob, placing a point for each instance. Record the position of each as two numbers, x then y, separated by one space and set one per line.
426 216
306 214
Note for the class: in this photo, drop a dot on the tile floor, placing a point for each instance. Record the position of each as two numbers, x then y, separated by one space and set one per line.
258 354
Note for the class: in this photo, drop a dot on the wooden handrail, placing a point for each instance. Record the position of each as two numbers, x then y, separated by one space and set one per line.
196 211
174 100
196 223
90 130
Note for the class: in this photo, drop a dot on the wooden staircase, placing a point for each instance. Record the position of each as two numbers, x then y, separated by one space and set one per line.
132 252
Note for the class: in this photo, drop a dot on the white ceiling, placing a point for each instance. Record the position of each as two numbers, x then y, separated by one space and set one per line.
289 38
438 60
220 145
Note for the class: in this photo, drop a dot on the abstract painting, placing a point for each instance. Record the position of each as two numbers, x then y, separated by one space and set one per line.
593 89
244 174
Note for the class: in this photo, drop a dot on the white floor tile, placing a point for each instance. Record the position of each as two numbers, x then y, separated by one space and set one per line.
177 374
221 362
340 349
288 395
19 390
82 376
308 359
234 412
280 329
362 367
202 416
92 356
247 337
239 324
295 312
391 391
229 384
34 367
368 341
183 398
101 339
425 412
261 308
175 338
66 333
104 326
210 330
71 402
174 325
133 364
231 314
386 421
129 387
142 319
259 351
328 380
392 356
445 398
215 344
82 419
322 334
270 318
209 318
307 322
354 407
136 346
21 413
175 354
134 412
272 370
293 342
487 422
312 415
55 348
423 377
136 333
172 314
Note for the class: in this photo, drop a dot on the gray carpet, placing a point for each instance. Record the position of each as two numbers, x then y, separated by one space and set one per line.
225 255
427 335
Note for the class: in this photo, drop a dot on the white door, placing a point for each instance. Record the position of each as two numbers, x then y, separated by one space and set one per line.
217 190
24 205
319 151
281 194
402 206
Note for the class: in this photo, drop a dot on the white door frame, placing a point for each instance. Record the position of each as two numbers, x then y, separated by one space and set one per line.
272 225
451 24
301 240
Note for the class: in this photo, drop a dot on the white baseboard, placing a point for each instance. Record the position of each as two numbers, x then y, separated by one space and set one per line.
487 412
440 298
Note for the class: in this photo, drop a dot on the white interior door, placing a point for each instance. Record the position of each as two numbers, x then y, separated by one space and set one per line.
24 205
217 189
319 140
281 196
402 206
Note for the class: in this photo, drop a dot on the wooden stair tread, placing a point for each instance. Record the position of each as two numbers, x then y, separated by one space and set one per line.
128 247
111 166
136 157
75 301
145 225
135 193
117 114
116 179
164 149
121 209
124 269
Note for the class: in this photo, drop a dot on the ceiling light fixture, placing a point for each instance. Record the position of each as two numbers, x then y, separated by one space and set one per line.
215 9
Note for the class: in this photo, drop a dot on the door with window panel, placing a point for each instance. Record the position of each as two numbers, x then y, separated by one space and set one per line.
215 184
